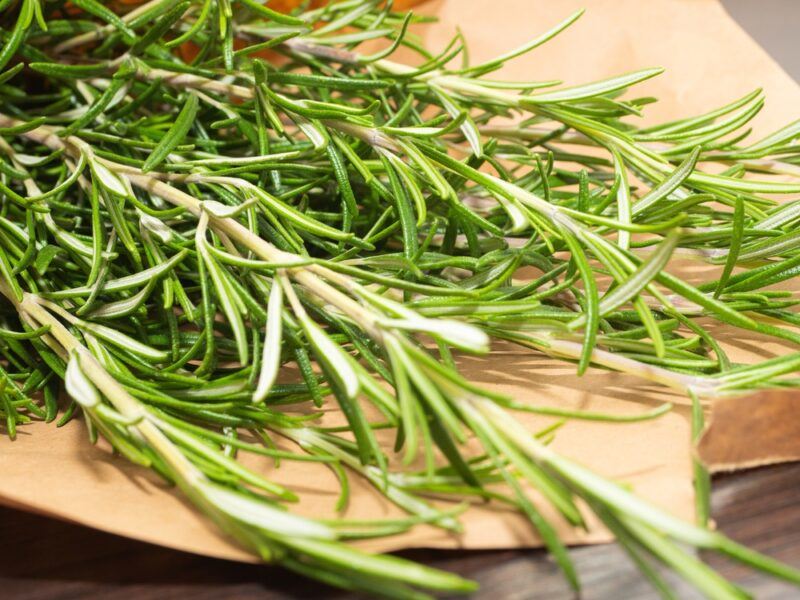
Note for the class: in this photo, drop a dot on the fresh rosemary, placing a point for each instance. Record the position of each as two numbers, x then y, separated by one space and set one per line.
181 218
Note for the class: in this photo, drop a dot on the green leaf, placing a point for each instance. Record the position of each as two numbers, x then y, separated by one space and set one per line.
591 303
271 358
263 516
735 246
124 342
271 15
44 257
382 565
332 356
107 179
70 71
597 88
78 385
160 27
669 185
102 12
177 132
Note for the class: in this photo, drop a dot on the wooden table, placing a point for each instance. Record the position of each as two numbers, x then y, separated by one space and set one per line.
44 559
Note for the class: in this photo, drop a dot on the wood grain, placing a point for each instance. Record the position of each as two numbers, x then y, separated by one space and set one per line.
44 559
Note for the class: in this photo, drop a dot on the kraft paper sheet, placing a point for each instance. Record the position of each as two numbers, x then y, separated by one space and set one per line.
710 61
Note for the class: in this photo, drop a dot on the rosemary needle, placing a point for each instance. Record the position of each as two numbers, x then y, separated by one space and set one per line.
180 219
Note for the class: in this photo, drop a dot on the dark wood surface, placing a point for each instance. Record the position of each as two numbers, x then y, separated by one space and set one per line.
45 559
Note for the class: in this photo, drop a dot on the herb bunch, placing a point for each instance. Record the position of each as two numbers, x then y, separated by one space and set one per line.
177 227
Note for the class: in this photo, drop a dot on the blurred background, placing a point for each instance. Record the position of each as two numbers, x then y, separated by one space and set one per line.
775 25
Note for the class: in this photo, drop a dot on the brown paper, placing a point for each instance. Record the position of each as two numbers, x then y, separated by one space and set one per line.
57 472
752 431
710 61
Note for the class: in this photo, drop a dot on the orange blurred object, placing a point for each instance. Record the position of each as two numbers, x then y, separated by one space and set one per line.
189 50
287 5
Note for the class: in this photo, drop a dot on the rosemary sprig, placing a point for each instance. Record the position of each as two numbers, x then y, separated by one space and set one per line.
159 213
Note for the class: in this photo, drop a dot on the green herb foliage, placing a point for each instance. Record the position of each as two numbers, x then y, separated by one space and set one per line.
173 231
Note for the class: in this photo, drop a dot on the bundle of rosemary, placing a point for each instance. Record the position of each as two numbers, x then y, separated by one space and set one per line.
174 231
